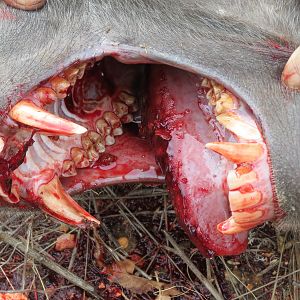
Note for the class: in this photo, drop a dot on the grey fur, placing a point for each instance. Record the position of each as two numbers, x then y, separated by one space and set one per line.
231 41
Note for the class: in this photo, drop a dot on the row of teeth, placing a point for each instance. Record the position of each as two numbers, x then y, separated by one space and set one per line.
247 203
29 111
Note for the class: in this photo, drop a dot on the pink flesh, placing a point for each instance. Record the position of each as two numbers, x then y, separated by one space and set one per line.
195 176
133 162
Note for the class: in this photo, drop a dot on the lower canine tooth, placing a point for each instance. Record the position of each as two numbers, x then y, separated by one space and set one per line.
238 126
60 205
28 113
237 152
239 201
235 180
60 86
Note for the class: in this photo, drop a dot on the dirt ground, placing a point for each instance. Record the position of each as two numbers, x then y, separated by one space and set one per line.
139 252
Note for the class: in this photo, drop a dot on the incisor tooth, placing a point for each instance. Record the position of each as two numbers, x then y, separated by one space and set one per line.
59 204
236 180
237 152
238 200
238 126
230 227
28 113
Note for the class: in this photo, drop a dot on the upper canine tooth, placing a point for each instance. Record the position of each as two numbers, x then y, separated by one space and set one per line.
236 180
60 86
238 200
28 113
237 152
238 126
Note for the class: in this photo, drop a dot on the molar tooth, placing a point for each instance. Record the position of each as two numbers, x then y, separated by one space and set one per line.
225 103
217 88
120 109
236 180
60 86
45 95
117 131
28 113
71 75
109 140
93 136
237 152
68 168
127 119
93 155
79 156
127 98
206 83
86 142
240 201
100 147
103 127
112 119
59 204
81 68
238 126
211 97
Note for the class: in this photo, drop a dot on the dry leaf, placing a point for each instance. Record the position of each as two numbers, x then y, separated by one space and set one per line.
121 273
65 241
13 296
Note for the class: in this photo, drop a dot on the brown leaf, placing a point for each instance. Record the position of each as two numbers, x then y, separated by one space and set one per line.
121 273
13 296
65 241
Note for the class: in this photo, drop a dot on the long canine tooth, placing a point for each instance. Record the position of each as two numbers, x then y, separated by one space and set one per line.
236 180
56 202
237 152
238 126
28 113
238 200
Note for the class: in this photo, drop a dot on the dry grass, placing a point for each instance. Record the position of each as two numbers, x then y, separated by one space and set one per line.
270 269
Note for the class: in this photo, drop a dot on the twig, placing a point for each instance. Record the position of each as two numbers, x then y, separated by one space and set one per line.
194 269
49 264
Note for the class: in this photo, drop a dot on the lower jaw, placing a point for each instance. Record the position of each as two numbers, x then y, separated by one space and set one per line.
180 114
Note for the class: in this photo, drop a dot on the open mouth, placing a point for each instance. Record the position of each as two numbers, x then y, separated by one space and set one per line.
102 122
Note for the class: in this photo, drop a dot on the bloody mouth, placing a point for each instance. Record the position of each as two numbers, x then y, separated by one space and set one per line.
105 122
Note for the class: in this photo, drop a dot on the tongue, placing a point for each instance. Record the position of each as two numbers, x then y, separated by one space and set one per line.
180 123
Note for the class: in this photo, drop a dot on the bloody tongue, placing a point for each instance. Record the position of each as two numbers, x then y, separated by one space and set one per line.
195 176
